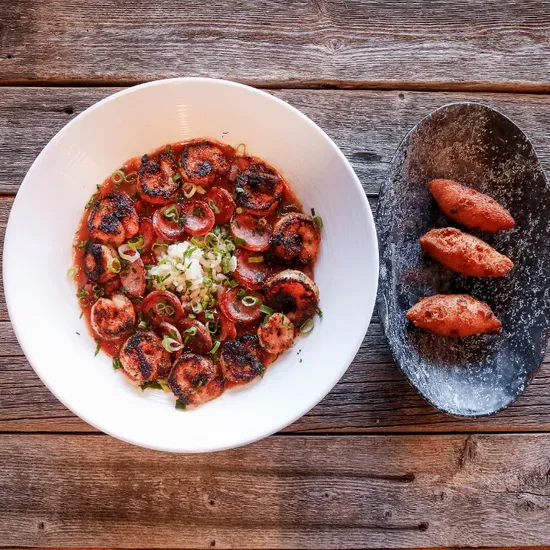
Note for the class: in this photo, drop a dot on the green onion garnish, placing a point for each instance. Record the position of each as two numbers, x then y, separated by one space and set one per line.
81 244
171 213
239 190
249 301
215 347
209 315
118 177
191 331
170 310
176 177
320 312
213 206
240 242
318 221
200 190
98 347
131 177
154 385
171 345
114 265
211 327
255 259
180 405
143 325
307 327
136 242
91 201
82 294
98 291
71 272
232 283
164 384
267 310
197 308
116 363
197 242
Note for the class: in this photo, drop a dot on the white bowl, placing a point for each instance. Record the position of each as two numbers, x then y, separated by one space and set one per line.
37 253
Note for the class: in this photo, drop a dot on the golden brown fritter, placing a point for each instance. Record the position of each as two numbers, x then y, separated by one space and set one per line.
464 253
453 315
469 207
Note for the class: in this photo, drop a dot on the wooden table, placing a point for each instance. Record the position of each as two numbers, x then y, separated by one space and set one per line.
373 465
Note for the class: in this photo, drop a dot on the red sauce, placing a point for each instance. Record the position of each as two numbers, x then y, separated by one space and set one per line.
89 291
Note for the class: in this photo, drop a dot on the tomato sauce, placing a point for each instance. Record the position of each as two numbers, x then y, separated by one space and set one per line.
125 181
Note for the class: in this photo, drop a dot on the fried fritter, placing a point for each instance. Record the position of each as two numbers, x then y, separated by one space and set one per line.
464 253
469 207
455 315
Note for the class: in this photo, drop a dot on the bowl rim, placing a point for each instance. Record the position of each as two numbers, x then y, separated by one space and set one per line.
33 356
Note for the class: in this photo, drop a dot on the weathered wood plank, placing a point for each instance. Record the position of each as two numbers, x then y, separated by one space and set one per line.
499 45
372 397
392 491
366 125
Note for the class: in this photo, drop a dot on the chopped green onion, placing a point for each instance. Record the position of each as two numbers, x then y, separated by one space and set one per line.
91 201
171 345
197 308
123 250
161 307
232 283
98 291
255 259
143 325
307 327
84 302
262 222
164 384
180 405
82 244
171 213
215 347
116 363
267 310
211 327
131 177
320 312
82 294
189 190
114 265
249 301
81 314
198 243
191 316
240 150
200 190
213 206
71 272
211 241
154 385
239 190
98 347
136 242
318 221
176 177
191 331
302 277
118 177
198 212
170 310
209 315
240 242
242 293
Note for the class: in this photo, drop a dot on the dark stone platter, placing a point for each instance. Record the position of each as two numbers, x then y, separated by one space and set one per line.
479 147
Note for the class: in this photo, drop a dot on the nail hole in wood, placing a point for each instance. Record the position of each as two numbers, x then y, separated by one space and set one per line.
212 544
401 96
9 56
41 526
212 503
423 526
68 110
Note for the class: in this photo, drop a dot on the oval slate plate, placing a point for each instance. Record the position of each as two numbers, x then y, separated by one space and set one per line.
477 146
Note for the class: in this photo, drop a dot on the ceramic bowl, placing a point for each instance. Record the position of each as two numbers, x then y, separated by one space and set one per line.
37 253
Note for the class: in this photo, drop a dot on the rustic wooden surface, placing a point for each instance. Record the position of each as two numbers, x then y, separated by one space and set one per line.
373 465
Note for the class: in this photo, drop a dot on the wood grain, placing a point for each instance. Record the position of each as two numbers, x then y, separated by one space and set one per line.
404 491
367 125
497 45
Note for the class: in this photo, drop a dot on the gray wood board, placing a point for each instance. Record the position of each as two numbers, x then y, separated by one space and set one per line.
283 492
367 125
497 45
